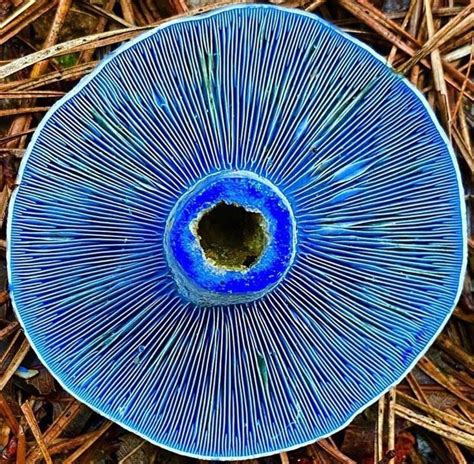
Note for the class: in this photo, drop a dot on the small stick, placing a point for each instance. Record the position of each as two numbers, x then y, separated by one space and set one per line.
53 34
434 426
458 103
94 41
56 76
15 111
86 55
457 25
85 446
437 69
13 28
284 458
34 427
62 445
9 329
391 424
16 428
438 414
430 369
20 151
378 448
34 94
456 352
334 452
57 428
134 450
4 295
106 13
368 14
179 6
127 11
16 13
406 19
15 363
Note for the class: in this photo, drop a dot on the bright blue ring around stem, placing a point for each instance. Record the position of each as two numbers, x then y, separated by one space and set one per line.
201 281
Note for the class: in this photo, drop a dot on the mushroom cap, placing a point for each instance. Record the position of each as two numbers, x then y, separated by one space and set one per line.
374 190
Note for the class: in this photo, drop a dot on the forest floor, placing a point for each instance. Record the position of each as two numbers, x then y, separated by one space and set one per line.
47 46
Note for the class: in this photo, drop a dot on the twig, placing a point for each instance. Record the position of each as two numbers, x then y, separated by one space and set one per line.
458 103
61 13
15 363
456 352
179 6
90 41
8 330
106 13
379 427
369 14
16 428
19 151
430 369
63 445
457 25
391 424
335 453
86 55
57 428
459 53
27 17
438 414
25 110
434 426
34 427
22 122
73 45
4 297
406 19
134 450
85 446
127 11
17 13
437 69
56 76
34 94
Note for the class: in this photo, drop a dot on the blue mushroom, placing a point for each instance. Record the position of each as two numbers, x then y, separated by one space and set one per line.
237 233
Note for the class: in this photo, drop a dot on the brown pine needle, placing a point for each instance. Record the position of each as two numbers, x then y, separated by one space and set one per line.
132 452
430 369
457 25
31 94
25 110
8 330
57 428
127 11
15 363
370 16
334 452
17 429
449 419
456 352
85 446
436 427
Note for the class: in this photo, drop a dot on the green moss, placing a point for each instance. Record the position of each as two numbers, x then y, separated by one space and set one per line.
66 61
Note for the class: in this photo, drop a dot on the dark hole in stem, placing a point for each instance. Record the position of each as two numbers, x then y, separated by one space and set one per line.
232 237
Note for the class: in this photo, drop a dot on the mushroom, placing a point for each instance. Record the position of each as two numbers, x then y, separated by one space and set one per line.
237 233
